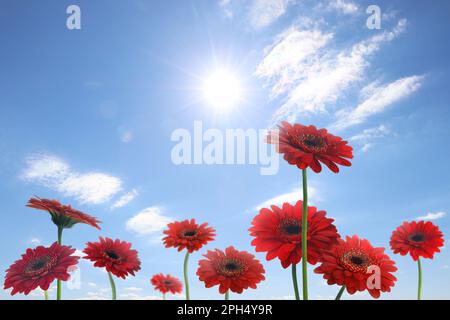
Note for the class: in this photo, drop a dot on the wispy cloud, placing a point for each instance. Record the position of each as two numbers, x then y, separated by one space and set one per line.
125 199
344 6
56 174
368 136
35 241
149 222
379 100
264 12
290 197
321 77
432 216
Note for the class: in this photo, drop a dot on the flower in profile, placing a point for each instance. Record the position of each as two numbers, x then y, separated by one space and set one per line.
232 270
63 216
115 256
277 231
166 283
419 239
188 235
352 262
307 146
39 267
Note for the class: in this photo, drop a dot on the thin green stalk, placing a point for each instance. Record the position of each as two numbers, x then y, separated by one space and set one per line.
164 296
46 295
227 295
305 236
113 286
294 281
58 282
419 289
186 282
339 295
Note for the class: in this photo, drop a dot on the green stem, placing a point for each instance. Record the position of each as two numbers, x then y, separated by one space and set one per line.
294 281
46 295
164 296
58 282
419 290
305 236
339 295
227 295
186 283
113 286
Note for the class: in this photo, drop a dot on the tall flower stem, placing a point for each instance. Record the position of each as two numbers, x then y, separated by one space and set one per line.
227 295
113 286
186 282
339 295
294 281
419 288
58 282
305 236
46 295
164 296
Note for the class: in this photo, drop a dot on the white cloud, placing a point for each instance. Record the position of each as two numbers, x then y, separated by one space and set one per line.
150 221
379 100
285 59
125 199
126 136
35 241
226 7
134 289
264 12
135 296
366 138
290 197
56 174
344 6
432 216
321 77
92 284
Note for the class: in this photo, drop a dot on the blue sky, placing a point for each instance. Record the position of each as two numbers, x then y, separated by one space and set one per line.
86 116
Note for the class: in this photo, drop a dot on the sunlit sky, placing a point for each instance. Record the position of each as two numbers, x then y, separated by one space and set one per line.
86 117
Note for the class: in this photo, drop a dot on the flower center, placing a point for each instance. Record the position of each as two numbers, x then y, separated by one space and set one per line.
190 233
167 282
230 268
112 254
38 266
355 261
290 227
417 237
311 142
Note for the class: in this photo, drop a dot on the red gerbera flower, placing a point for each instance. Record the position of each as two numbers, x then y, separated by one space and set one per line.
347 264
39 267
278 232
188 234
232 270
419 239
62 215
307 146
167 283
114 255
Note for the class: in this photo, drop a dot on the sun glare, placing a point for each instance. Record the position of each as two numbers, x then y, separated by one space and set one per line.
222 90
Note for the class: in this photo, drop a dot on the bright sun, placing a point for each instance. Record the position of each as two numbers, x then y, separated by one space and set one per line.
222 90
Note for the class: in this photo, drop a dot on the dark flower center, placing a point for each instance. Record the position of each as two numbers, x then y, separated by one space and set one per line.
112 254
311 142
230 267
417 237
167 282
290 227
38 266
190 233
355 261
